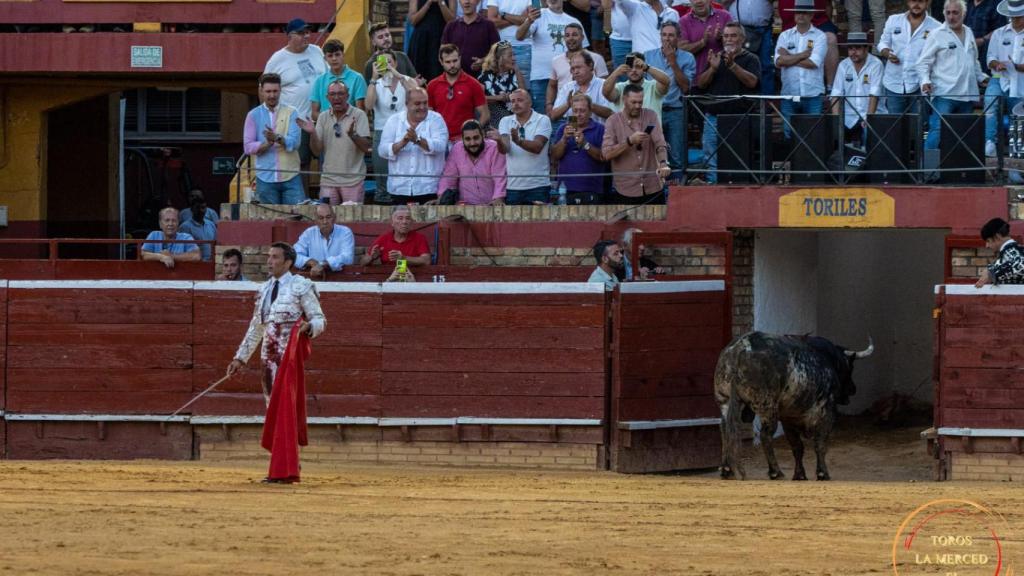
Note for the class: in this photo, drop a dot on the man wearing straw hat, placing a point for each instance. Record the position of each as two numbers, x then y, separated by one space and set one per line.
901 44
800 54
1004 59
857 87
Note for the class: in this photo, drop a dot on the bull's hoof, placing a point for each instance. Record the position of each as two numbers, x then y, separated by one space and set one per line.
824 476
776 475
727 473
799 475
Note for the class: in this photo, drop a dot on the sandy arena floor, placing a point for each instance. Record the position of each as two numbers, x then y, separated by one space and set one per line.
135 518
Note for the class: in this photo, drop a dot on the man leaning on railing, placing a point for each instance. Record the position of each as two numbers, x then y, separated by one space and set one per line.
164 245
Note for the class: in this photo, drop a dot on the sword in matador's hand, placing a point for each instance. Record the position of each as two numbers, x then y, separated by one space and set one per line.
198 396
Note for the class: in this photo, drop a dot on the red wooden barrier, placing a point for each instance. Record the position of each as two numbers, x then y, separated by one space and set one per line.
3 366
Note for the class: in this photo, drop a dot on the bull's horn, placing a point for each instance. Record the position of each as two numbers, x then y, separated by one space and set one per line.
865 352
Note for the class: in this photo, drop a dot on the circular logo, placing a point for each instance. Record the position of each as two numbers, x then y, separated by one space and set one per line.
951 537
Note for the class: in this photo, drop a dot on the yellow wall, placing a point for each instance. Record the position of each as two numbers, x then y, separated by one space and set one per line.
351 29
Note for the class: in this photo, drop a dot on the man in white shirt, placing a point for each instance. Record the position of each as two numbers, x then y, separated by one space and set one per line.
619 31
949 70
414 143
900 47
525 134
545 29
1004 51
644 18
326 247
507 15
857 87
560 66
800 54
584 81
298 64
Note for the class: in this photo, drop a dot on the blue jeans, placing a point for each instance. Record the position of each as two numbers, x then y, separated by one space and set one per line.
806 105
287 192
943 106
619 50
539 93
709 142
527 196
897 103
765 54
992 108
524 56
675 135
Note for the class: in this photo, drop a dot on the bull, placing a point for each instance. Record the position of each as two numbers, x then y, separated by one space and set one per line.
796 380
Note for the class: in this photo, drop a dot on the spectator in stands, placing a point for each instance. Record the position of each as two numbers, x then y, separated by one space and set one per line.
681 68
428 18
701 31
820 20
645 17
231 266
858 87
561 72
647 266
186 214
654 88
609 261
757 17
583 82
800 54
272 136
414 144
1008 267
525 136
326 247
633 143
545 29
577 150
164 245
1004 52
507 15
500 77
385 96
855 15
337 71
381 42
473 33
733 72
455 95
199 225
475 168
298 65
580 10
983 18
900 47
949 70
619 31
400 242
341 139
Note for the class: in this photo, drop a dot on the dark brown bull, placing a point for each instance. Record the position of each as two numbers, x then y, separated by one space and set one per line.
796 380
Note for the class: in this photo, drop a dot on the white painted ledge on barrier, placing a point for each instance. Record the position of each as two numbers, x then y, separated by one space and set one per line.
348 287
4 283
659 424
227 286
528 421
103 284
672 287
982 432
317 420
493 288
970 290
93 418
416 422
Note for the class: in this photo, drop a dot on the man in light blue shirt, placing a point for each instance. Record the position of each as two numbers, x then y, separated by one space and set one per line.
681 70
199 226
161 244
326 246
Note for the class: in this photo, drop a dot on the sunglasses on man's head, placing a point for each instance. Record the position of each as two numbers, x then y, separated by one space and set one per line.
451 92
394 102
337 130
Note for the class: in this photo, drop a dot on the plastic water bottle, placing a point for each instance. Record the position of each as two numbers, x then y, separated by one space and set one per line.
561 194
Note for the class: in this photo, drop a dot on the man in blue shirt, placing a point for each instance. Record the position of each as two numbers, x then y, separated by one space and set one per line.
326 246
681 67
161 245
199 225
334 53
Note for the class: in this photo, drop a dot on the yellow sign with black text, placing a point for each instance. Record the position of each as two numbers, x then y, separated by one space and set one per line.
837 208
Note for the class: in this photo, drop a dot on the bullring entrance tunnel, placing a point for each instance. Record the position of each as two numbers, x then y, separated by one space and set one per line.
848 284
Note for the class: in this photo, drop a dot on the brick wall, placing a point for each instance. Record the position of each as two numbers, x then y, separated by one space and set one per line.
979 466
742 281
970 262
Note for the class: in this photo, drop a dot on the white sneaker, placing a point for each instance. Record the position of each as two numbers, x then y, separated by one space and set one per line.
990 149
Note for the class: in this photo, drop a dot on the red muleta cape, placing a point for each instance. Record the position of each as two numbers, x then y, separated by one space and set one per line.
284 429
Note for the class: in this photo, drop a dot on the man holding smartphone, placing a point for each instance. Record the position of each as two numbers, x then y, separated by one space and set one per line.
635 146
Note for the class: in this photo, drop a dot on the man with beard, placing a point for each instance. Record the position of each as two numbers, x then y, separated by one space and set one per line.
341 139
654 88
473 33
475 167
681 69
455 95
734 71
525 134
271 135
583 82
381 40
857 88
634 144
414 144
609 261
900 47
561 73
231 266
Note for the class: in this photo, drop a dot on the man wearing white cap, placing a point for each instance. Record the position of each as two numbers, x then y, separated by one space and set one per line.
901 44
949 70
800 54
857 86
1004 59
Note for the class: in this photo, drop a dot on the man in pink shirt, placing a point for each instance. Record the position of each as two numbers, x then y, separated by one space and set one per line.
476 167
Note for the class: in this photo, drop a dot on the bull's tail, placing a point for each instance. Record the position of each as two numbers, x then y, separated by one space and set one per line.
732 412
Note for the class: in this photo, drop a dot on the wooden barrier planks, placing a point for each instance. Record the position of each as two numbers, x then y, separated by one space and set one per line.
98 440
3 355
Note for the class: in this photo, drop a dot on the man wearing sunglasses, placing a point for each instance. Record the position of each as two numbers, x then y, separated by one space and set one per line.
341 138
455 95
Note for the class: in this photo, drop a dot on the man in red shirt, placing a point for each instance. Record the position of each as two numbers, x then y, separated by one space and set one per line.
455 95
399 243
